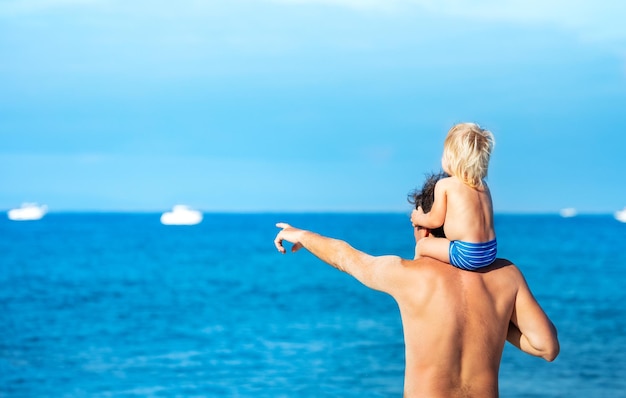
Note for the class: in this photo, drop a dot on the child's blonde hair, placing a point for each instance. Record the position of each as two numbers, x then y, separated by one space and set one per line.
467 150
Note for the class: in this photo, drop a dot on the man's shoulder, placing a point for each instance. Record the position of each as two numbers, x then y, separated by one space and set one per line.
505 269
501 263
429 266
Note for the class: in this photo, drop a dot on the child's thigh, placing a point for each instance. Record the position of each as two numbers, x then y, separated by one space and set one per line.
438 248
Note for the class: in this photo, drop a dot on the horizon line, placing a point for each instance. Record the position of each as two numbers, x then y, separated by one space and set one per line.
305 211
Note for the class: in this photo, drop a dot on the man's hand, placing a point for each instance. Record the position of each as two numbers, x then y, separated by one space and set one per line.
290 234
416 215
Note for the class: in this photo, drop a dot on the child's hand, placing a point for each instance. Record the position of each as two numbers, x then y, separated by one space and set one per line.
416 215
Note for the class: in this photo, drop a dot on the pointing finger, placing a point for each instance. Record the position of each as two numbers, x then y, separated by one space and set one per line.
278 242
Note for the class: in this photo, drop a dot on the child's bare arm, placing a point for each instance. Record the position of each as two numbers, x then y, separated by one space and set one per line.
437 215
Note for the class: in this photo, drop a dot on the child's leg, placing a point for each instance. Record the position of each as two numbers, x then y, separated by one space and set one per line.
437 248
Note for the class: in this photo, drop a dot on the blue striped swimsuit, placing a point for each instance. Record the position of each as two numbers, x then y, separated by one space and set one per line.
472 256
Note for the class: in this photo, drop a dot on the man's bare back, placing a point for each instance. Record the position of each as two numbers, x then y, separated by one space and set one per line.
455 326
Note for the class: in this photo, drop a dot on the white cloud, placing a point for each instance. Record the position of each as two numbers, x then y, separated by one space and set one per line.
353 4
590 20
18 7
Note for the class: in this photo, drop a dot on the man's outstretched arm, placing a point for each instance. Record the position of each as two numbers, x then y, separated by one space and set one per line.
379 273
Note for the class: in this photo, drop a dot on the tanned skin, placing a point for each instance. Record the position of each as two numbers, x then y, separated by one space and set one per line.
455 322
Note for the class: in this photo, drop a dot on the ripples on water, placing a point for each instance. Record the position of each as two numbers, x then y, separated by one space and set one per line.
119 305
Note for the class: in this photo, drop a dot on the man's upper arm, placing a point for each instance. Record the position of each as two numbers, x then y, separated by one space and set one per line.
538 332
382 273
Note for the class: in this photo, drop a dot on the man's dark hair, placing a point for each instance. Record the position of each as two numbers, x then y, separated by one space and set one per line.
426 196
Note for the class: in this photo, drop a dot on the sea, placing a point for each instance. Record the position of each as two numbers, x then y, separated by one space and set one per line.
118 305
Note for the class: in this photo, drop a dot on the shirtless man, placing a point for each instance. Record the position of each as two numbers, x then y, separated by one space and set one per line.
455 321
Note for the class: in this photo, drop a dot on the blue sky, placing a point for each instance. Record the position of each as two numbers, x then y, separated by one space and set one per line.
319 105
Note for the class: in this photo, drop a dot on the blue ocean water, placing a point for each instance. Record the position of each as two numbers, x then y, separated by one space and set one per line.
117 305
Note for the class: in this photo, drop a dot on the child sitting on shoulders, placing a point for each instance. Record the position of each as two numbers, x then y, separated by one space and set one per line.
462 203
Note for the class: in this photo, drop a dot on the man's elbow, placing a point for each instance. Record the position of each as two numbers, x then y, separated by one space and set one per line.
554 348
552 351
544 346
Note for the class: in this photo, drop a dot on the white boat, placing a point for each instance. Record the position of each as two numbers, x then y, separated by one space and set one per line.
27 212
181 215
568 212
620 215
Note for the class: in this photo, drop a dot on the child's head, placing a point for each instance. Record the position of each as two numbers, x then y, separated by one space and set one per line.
466 153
